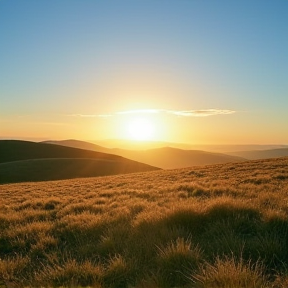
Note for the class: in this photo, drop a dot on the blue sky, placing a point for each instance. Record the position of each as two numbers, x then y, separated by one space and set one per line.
60 59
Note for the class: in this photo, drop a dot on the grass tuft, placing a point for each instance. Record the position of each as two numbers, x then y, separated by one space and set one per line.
228 273
176 261
71 273
118 273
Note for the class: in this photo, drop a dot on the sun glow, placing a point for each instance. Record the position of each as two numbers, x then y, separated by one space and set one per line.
140 129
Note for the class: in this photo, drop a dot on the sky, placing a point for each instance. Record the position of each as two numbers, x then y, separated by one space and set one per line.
191 71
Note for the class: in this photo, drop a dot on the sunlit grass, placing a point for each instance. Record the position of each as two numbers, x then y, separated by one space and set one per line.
228 273
209 227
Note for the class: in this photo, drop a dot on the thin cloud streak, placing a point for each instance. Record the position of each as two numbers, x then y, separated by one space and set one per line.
202 113
184 113
179 113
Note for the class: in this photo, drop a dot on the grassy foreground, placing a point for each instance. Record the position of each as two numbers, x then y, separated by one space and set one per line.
220 226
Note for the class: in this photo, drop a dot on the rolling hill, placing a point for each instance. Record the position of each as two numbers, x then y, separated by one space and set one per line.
262 154
140 145
164 157
16 150
173 158
79 144
217 148
28 161
194 227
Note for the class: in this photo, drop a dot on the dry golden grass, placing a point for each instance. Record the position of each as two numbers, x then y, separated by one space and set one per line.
215 226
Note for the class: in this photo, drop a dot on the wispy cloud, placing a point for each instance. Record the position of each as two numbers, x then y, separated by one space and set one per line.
184 113
179 113
201 113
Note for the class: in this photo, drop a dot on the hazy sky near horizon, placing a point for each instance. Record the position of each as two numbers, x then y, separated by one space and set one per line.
203 72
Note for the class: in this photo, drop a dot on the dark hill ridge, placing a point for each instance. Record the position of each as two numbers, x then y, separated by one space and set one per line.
15 150
22 161
65 168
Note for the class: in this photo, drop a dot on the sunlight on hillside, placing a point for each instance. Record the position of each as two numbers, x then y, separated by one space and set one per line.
191 228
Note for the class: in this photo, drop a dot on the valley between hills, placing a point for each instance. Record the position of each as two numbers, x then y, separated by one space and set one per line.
22 161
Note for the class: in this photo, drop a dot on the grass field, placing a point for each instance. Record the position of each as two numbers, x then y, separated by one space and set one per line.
220 226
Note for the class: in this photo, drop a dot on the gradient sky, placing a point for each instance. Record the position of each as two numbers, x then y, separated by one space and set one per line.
203 72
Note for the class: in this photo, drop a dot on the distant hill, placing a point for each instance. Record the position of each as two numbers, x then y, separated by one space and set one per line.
138 145
145 145
29 161
232 148
172 158
262 154
165 157
79 144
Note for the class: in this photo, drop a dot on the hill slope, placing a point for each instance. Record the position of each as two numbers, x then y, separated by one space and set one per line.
173 158
79 144
165 157
262 154
29 161
15 150
146 145
225 224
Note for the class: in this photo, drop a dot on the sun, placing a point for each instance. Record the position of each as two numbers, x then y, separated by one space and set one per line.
140 129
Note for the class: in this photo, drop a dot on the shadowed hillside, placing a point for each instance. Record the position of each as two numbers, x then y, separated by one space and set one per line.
223 225
28 161
58 168
14 150
165 157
